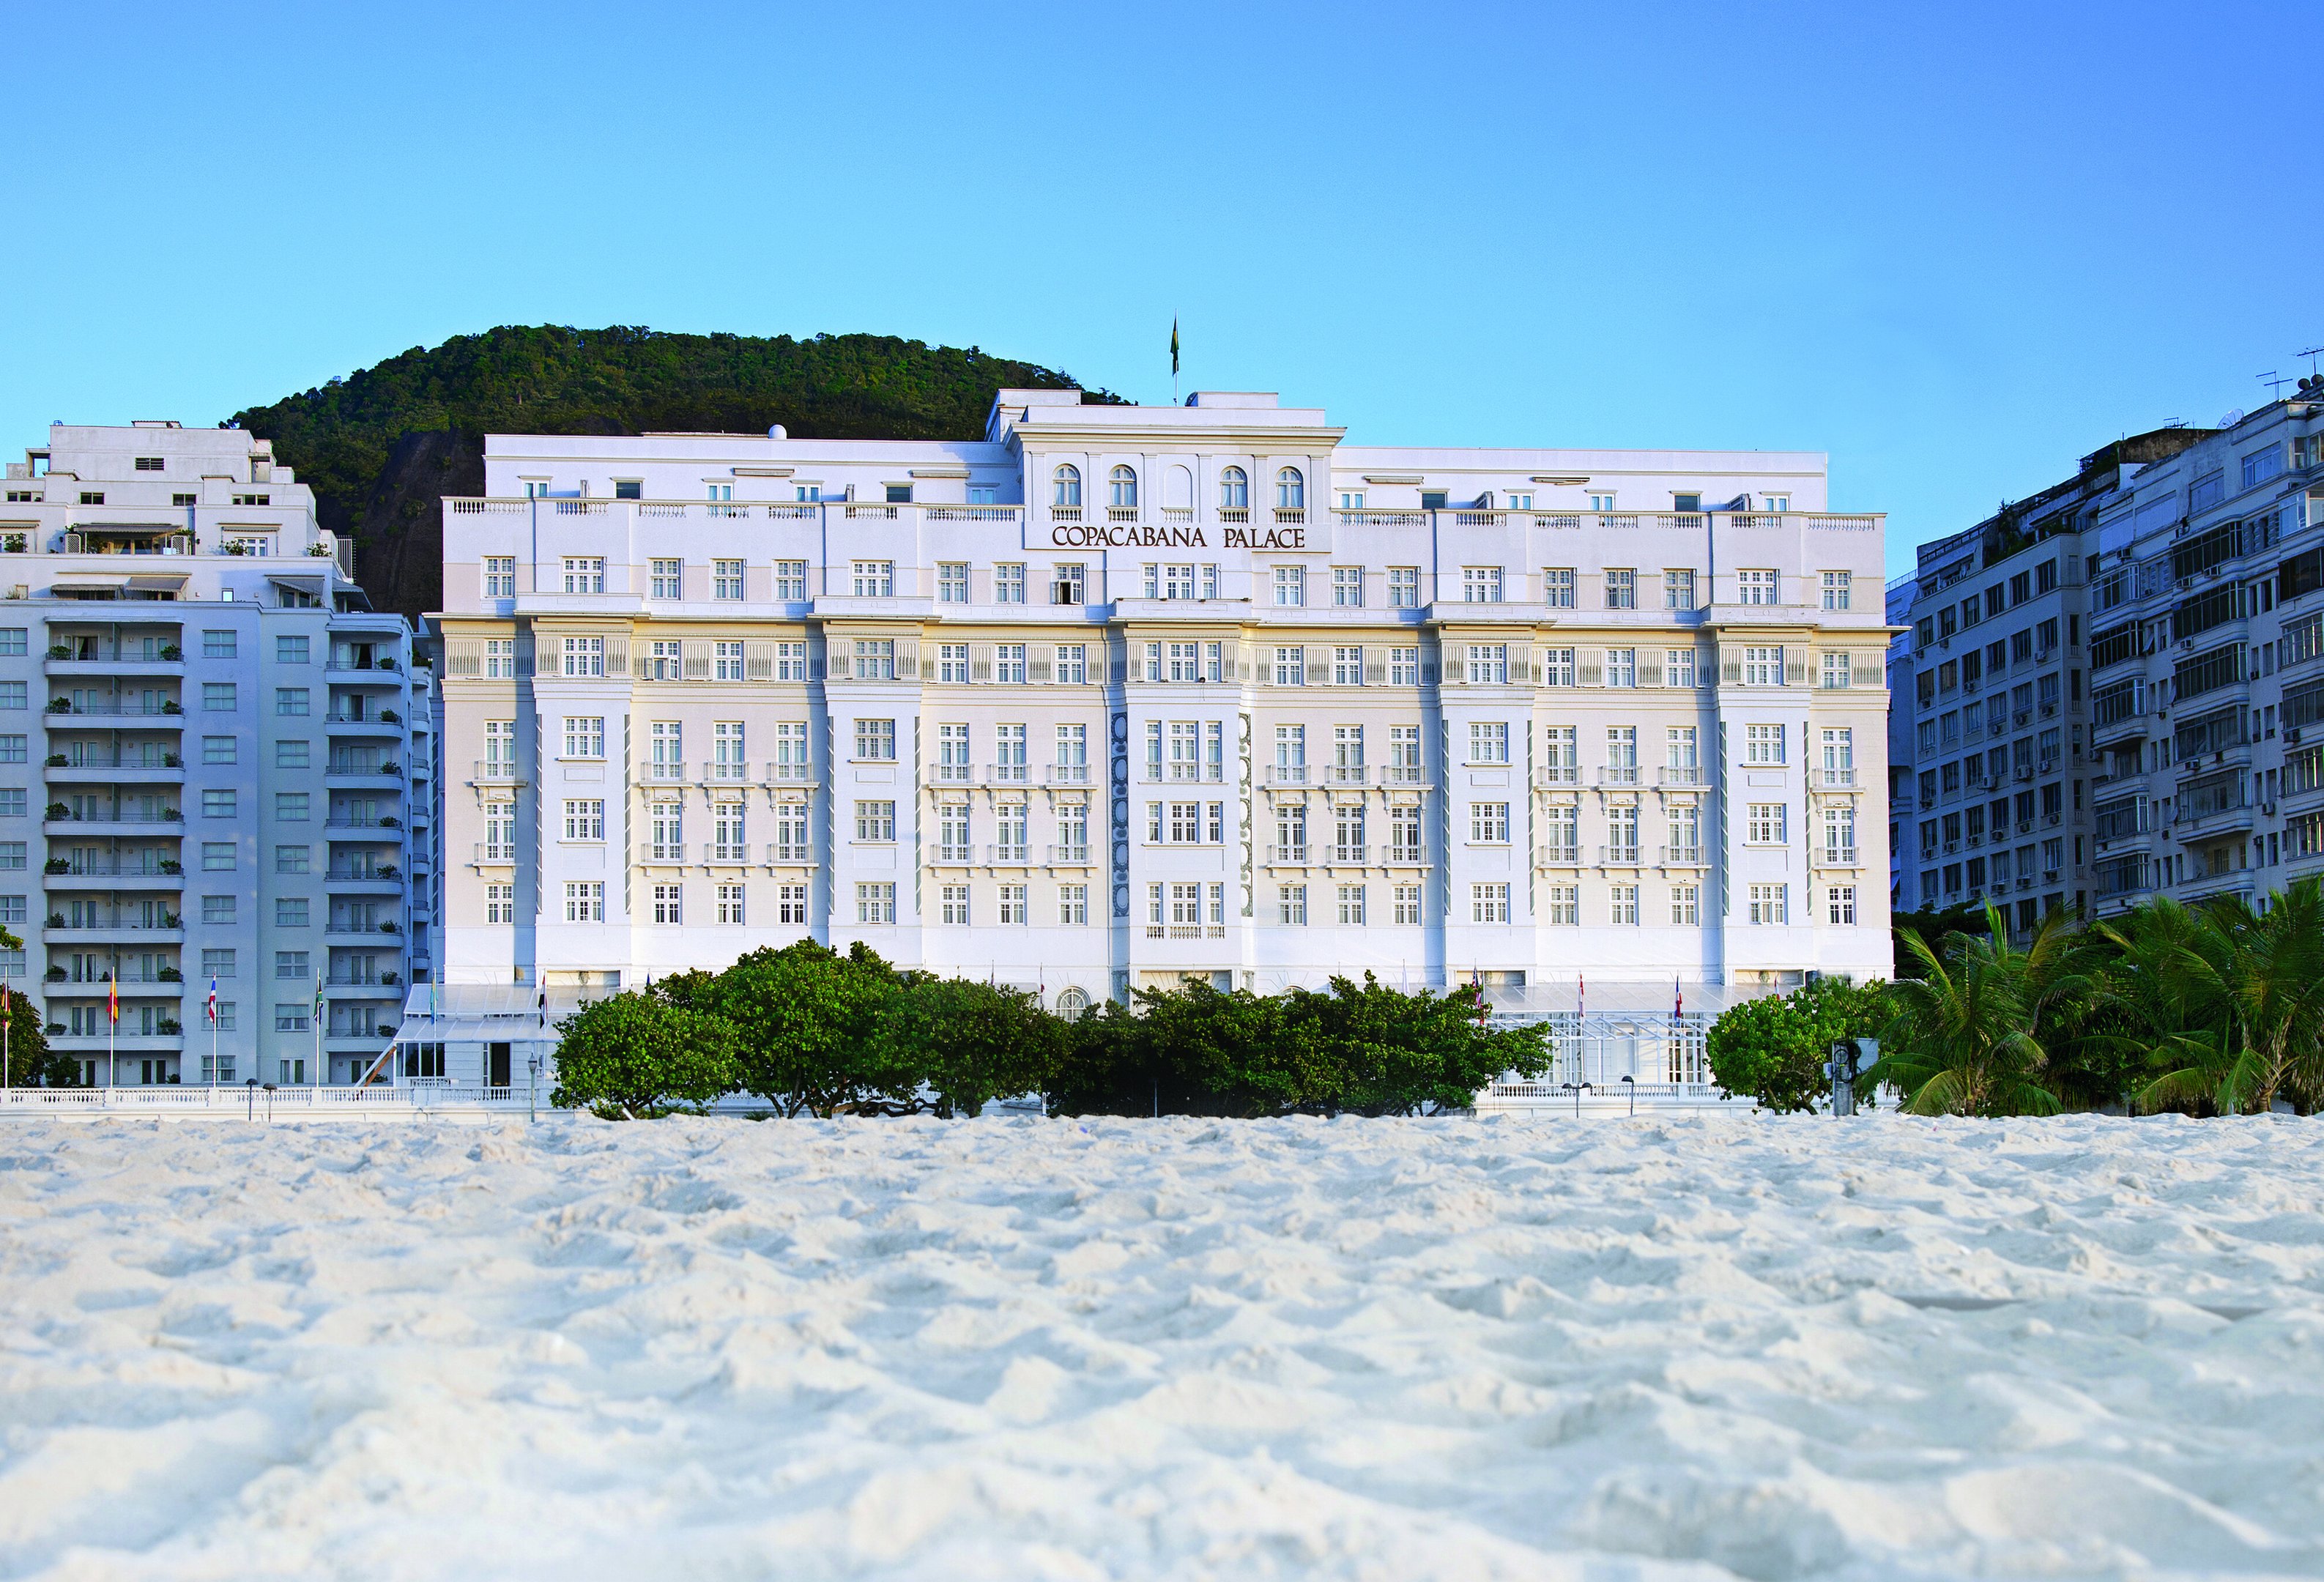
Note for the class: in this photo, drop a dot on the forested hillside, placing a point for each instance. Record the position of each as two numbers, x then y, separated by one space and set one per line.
380 446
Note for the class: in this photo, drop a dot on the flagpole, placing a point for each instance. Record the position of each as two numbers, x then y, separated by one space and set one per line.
316 1080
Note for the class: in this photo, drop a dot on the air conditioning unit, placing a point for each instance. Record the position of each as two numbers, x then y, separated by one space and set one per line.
2291 738
2268 808
2187 645
2186 582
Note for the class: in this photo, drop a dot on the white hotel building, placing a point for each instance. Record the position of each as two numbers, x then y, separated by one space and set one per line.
1119 695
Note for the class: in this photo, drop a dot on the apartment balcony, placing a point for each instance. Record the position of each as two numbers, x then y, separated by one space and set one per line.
106 874
169 827
1558 774
1679 857
1619 775
1192 775
1186 931
1289 856
1618 856
949 856
361 984
105 662
390 828
383 880
1016 856
63 713
788 774
727 852
349 725
1689 775
1007 774
1833 857
96 987
782 855
488 855
343 775
1069 856
123 933
1346 775
161 769
382 672
1068 774
662 774
1403 775
1557 857
342 933
737 773
1400 856
2211 825
492 772
1836 779
123 1044
1338 855
1288 774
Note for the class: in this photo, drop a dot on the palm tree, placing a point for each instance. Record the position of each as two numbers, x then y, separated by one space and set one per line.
1970 1035
2264 973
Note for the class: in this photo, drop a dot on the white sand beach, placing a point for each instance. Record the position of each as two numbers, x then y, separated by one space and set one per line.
1024 1348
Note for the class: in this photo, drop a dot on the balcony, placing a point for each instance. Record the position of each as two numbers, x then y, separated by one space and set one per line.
735 773
1557 857
789 774
1401 857
102 873
1183 931
1007 773
1068 774
156 769
1684 774
951 856
1015 855
103 660
785 854
1836 779
1836 856
1618 856
494 772
1679 856
1287 774
354 774
385 878
1346 775
1337 856
955 774
1403 775
390 828
1287 856
338 931
1069 856
61 933
492 856
1619 775
388 724
170 988
164 716
1558 774
361 985
164 824
726 851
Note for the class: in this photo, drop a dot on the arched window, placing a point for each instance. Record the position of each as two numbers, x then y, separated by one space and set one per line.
1234 490
1065 485
1124 482
1072 1005
1290 489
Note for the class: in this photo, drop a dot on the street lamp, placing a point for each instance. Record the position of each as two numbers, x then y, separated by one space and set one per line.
1632 1083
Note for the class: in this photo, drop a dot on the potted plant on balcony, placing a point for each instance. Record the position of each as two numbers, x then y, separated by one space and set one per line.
169 814
390 717
319 551
388 870
384 1030
56 811
170 760
171 865
171 706
168 975
171 920
56 865
60 651
56 760
172 652
168 1027
56 974
391 926
390 823
391 769
56 920
61 705
390 979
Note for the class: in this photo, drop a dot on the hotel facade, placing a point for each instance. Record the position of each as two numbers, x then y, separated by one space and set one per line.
1119 697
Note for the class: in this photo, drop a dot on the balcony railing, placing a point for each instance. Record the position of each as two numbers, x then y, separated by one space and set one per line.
1402 775
1070 856
1346 775
1838 856
1007 773
955 774
1008 854
1286 775
1681 856
1619 775
1683 775
1557 857
1287 854
1618 856
790 853
494 772
1561 775
1837 780
488 851
737 770
782 774
955 856
663 773
1068 774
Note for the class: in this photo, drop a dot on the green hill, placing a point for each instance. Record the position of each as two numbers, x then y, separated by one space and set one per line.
383 446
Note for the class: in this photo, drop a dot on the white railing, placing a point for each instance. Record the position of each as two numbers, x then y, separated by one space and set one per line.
1291 854
1069 774
1689 774
1070 856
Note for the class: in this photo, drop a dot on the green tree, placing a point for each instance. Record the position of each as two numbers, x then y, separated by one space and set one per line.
969 1042
2252 984
1401 1053
32 1063
636 1056
808 1020
1971 1033
1771 1051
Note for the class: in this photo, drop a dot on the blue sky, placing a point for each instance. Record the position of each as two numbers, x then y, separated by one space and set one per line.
1955 247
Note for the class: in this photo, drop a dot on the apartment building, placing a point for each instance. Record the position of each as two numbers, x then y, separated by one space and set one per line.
1118 697
211 774
2106 683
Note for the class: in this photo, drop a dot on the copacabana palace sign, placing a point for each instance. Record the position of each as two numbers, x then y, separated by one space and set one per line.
1091 535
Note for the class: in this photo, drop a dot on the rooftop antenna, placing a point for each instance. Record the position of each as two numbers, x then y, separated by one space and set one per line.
2311 353
2274 382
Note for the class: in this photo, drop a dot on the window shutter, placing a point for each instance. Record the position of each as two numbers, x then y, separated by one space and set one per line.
1521 664
1589 666
1037 664
1319 666
908 661
1870 670
1731 666
980 662
815 666
1097 659
840 666
695 660
1796 667
617 655
1428 672
524 653
641 665
463 658
1650 666
758 661
1375 669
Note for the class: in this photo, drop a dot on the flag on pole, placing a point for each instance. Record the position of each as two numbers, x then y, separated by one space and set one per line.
1678 1000
1173 349
211 1004
1580 996
113 1001
319 996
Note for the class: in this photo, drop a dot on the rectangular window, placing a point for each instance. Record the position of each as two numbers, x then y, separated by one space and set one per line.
1557 586
875 741
1678 589
952 582
1769 903
791 579
1008 583
584 820
1623 904
220 909
731 903
500 577
500 903
876 579
1763 667
1489 664
1291 905
1290 585
668 581
1489 823
1404 587
218 696
1073 904
1686 905
1564 908
668 904
584 901
1404 667
1347 667
1764 823
790 904
290 806
1557 667
1839 671
726 580
1841 902
291 964
1756 587
952 662
584 574
1621 588
287 859
1489 742
1488 903
1407 905
875 903
1678 667
290 650
585 735
219 750
875 822
290 1018
1836 590
500 657
290 701
1290 666
1480 585
1348 586
585 656
1763 744
1621 667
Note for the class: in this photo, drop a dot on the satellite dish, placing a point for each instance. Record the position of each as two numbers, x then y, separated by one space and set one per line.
2232 418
